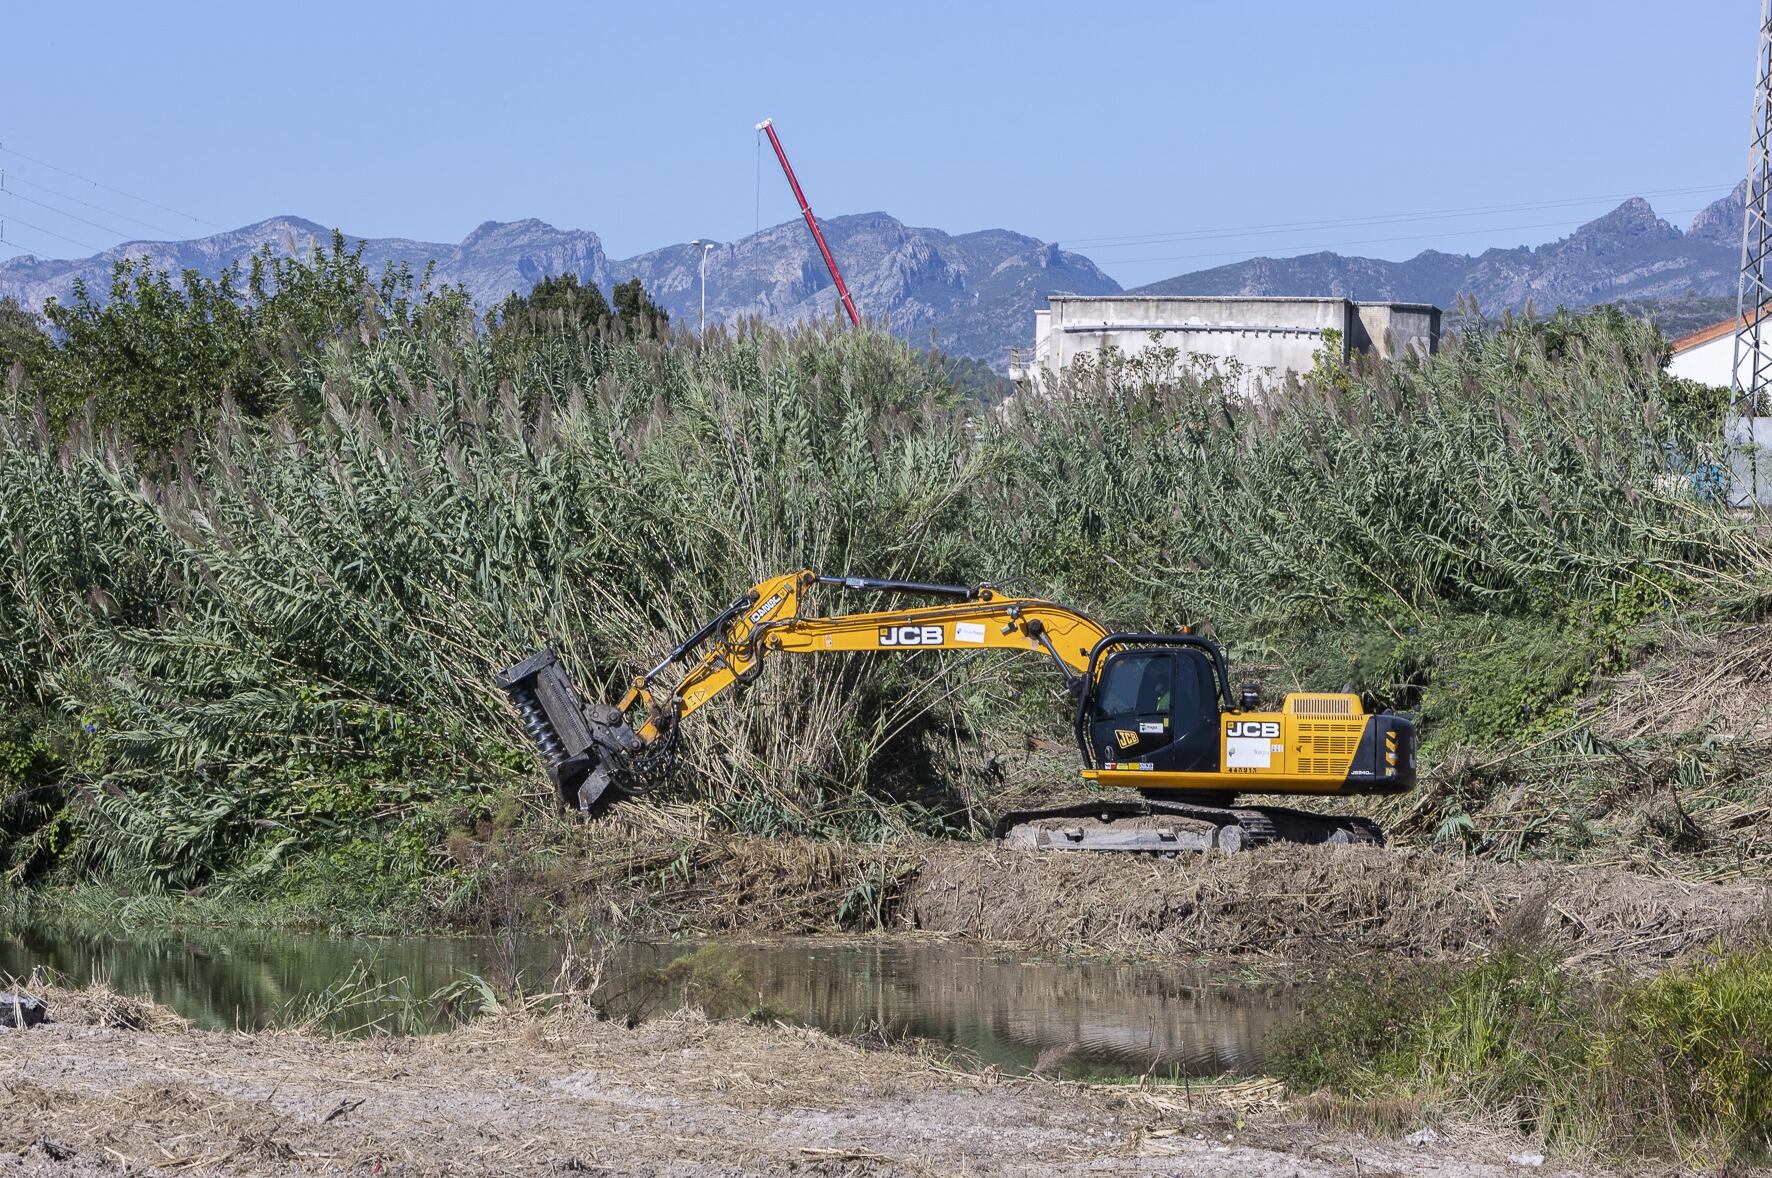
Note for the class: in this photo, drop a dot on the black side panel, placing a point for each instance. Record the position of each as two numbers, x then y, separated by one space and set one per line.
1196 733
1372 771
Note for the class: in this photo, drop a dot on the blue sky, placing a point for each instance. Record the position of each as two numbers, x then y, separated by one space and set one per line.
1072 122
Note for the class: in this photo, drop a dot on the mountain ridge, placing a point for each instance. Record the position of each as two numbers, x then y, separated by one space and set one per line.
970 294
1629 253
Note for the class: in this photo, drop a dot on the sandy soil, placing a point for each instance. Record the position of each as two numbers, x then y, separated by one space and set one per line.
561 1094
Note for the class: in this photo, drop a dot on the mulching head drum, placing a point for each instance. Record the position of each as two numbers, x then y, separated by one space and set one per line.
584 744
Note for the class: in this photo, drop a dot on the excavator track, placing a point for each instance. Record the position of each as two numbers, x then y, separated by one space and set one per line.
1151 826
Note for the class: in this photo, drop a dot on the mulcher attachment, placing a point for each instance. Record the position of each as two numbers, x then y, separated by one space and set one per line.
586 745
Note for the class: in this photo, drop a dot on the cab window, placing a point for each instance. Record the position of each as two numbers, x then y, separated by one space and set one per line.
1137 684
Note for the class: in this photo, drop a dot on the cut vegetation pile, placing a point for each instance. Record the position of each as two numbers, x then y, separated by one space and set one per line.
1323 904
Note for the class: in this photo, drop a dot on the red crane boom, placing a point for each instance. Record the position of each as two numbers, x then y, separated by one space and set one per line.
811 221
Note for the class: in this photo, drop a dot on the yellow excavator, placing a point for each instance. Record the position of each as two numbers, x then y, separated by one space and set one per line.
1154 713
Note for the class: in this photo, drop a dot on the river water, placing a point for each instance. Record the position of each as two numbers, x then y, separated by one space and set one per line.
1075 1018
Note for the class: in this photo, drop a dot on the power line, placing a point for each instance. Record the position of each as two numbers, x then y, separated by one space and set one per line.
15 179
1376 219
61 212
108 188
1363 241
97 249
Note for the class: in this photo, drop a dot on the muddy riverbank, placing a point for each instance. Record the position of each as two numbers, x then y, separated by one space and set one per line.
1308 903
1291 903
113 1087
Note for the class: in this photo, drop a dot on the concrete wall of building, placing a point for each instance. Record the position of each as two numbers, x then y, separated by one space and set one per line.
1256 341
1396 329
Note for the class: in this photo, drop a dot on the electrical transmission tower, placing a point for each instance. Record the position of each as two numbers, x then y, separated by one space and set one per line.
1752 380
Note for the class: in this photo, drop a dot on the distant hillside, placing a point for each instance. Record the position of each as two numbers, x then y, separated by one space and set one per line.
1630 253
973 294
494 259
1678 317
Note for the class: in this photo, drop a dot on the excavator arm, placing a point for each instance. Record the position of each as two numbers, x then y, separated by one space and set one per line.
769 622
587 744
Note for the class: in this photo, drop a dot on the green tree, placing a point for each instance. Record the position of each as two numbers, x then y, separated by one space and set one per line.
636 310
301 303
557 311
556 302
155 358
22 340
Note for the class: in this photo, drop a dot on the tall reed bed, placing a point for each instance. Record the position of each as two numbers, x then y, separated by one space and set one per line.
267 654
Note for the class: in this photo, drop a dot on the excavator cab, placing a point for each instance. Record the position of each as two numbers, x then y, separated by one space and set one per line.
1158 707
1153 703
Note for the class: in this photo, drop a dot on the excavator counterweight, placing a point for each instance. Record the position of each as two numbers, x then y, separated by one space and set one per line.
1153 713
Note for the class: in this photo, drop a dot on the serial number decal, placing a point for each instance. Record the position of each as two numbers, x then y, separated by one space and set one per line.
1247 752
910 636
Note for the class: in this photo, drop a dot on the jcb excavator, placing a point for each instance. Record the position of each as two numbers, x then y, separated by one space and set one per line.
1153 712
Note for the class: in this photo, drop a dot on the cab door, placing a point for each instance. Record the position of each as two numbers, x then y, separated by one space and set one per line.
1156 707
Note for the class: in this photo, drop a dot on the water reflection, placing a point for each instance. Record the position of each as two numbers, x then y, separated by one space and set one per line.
1083 1018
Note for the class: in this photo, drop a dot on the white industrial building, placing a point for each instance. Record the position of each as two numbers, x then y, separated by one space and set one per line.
1258 341
1708 356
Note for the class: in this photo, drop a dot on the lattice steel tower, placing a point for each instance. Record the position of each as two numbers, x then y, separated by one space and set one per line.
1752 382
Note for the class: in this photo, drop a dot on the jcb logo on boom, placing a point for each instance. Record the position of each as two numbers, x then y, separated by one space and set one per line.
762 611
1267 728
910 635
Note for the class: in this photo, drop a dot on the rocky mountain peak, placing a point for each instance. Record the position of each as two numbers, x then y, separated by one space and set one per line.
1633 221
1721 221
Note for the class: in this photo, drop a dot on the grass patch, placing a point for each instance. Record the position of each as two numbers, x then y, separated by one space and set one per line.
259 661
1679 1064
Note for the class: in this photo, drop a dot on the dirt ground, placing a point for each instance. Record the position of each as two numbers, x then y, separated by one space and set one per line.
1308 903
113 1087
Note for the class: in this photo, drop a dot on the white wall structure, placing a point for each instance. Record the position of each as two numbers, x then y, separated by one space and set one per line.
1705 356
1262 339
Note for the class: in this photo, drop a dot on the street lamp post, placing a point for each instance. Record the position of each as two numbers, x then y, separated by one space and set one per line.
706 246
